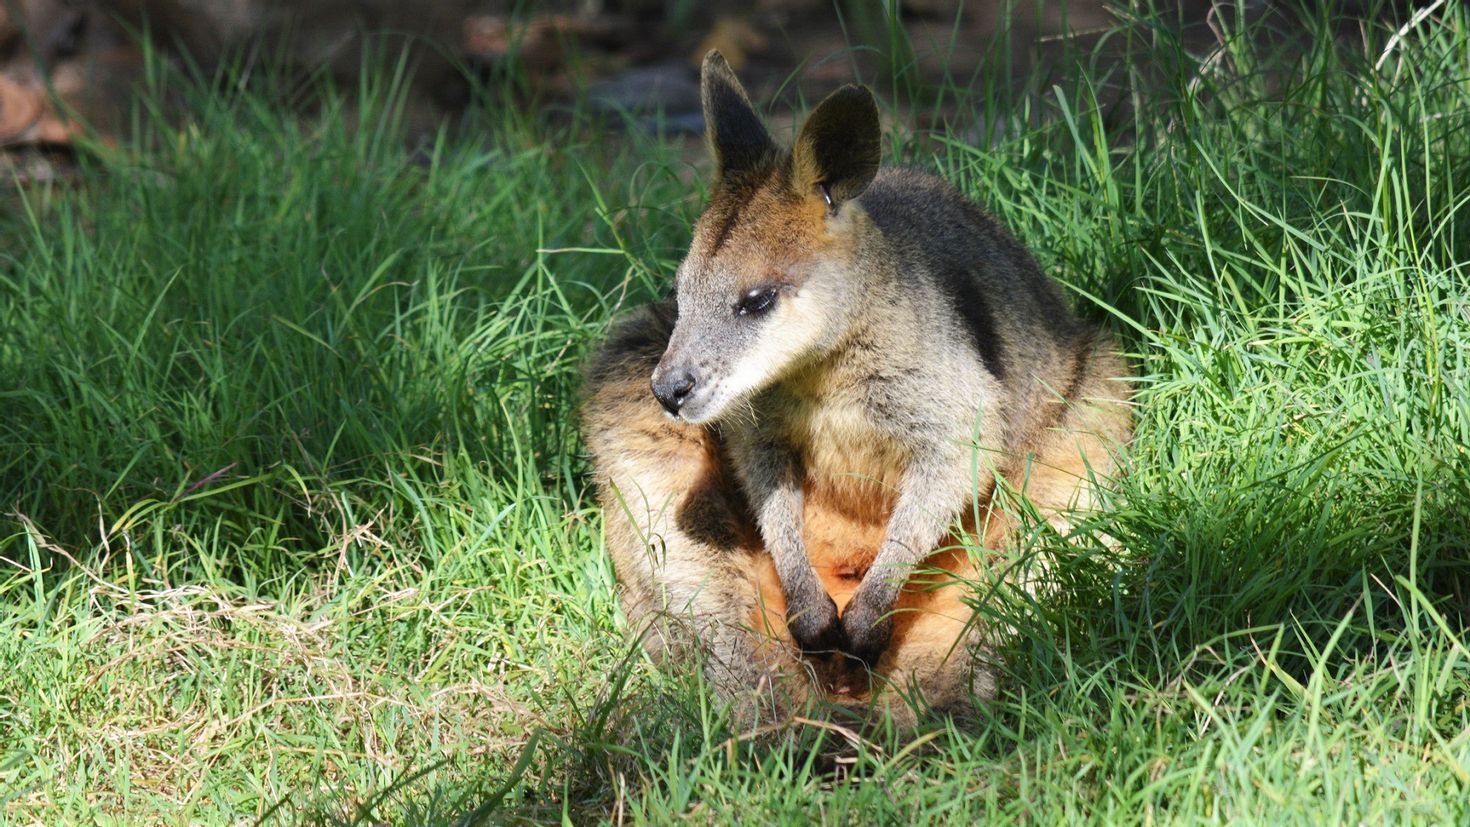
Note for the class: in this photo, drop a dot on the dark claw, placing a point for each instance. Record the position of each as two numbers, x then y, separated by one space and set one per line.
868 631
816 627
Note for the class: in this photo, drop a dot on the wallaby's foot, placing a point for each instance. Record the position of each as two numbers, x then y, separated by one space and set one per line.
844 681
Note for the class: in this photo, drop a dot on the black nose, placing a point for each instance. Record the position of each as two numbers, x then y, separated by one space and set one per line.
673 388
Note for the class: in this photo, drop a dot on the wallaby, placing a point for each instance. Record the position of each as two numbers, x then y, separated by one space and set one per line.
851 359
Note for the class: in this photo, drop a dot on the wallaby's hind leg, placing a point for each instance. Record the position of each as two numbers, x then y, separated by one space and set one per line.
940 641
935 659
1094 424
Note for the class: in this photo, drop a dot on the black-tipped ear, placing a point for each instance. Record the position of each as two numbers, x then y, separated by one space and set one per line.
840 145
737 137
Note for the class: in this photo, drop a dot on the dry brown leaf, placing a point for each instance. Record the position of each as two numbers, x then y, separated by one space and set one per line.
536 43
735 37
20 108
26 116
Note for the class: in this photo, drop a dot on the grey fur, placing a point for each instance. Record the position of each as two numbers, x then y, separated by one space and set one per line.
907 331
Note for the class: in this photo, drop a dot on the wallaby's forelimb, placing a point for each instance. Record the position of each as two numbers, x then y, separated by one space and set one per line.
931 498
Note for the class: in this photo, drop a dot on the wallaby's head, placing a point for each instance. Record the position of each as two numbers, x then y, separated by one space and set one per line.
768 281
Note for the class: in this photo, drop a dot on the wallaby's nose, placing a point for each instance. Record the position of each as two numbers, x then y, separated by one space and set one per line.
673 388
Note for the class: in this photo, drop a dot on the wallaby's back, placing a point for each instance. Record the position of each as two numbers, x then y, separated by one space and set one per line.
1014 315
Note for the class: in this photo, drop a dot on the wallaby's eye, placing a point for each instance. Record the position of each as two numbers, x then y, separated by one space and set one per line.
756 301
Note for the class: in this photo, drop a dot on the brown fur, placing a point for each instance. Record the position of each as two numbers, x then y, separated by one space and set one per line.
811 502
696 581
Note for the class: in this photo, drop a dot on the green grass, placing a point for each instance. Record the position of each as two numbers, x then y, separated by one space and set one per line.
296 522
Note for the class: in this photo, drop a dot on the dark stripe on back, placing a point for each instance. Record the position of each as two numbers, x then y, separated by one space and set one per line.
972 307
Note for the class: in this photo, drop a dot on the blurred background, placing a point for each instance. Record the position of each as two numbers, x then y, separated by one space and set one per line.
70 68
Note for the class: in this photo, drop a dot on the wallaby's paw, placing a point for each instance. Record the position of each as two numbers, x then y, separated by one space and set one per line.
867 628
815 626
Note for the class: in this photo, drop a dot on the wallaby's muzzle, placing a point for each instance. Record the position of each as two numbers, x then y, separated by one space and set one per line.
673 388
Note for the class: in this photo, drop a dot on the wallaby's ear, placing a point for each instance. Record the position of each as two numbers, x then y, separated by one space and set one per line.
737 137
839 147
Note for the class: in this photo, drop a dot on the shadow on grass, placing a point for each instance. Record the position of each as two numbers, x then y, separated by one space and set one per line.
648 743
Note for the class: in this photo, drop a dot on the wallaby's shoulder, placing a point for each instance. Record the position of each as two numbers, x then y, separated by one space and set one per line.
913 188
916 209
947 242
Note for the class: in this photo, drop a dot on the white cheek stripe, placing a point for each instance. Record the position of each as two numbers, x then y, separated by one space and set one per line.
777 346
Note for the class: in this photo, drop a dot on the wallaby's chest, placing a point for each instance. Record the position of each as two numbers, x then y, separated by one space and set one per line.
851 475
849 459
